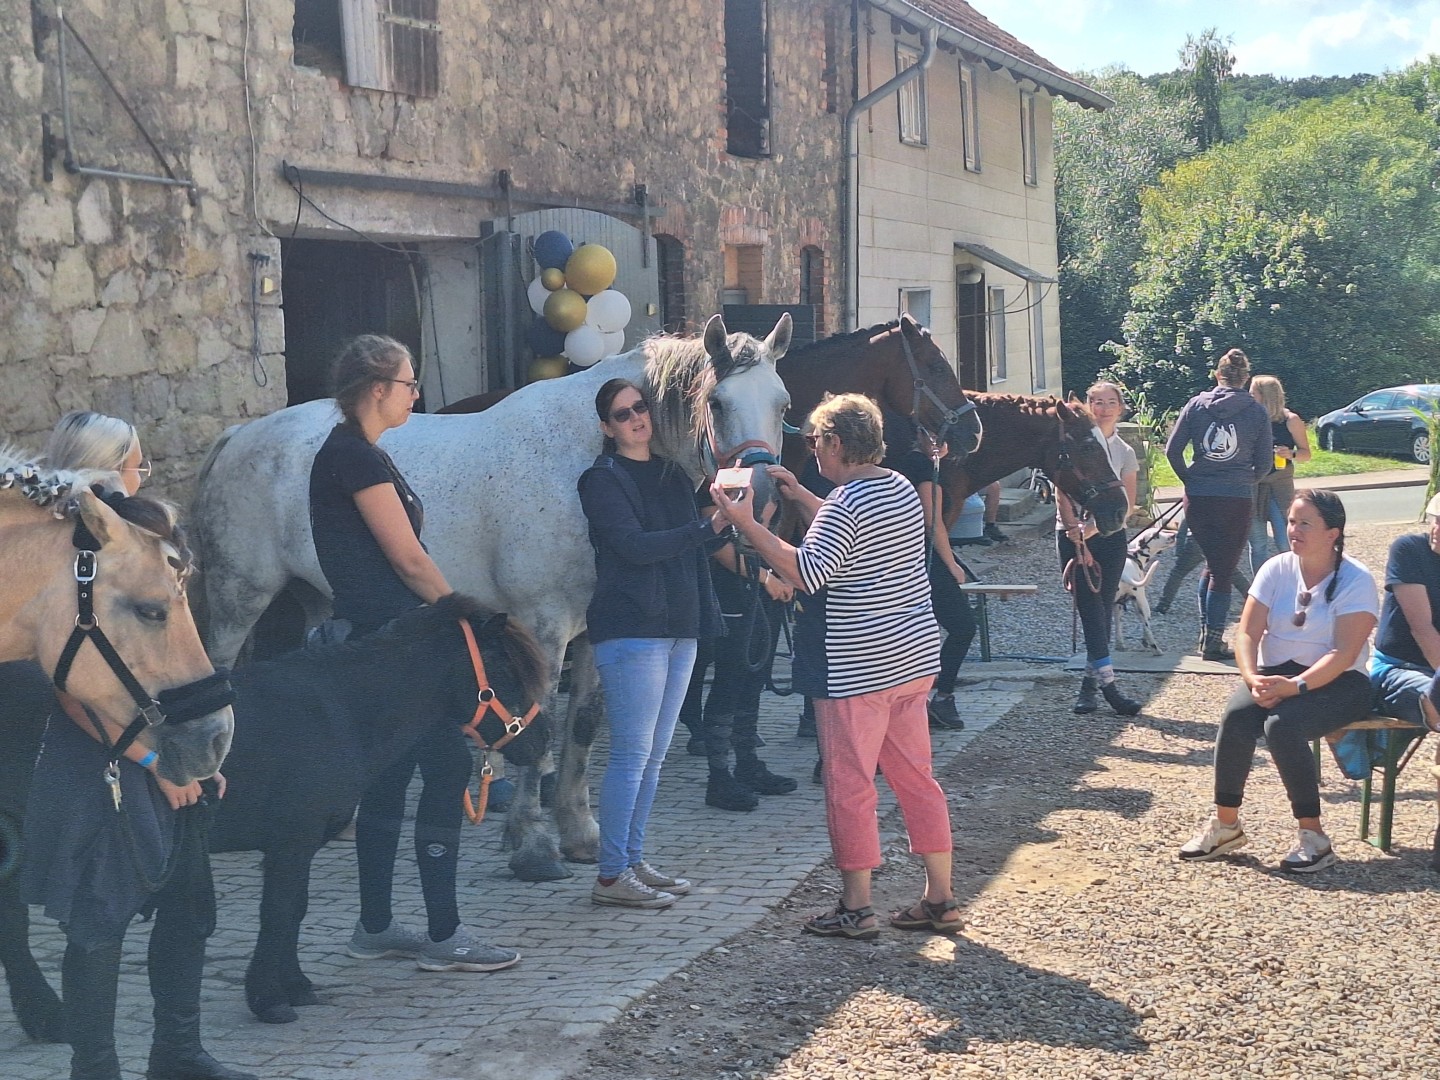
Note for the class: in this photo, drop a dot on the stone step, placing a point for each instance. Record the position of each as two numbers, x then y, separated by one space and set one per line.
1016 504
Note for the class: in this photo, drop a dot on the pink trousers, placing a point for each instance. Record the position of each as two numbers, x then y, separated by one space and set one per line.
889 728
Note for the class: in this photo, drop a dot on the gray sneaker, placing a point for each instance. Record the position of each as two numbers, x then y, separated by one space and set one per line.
629 891
464 951
394 940
658 879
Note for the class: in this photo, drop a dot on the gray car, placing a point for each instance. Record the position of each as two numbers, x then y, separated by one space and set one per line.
1383 422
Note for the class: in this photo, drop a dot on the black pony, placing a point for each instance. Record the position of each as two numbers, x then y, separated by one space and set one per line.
313 728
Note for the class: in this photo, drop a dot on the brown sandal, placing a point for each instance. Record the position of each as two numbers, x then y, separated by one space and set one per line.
932 917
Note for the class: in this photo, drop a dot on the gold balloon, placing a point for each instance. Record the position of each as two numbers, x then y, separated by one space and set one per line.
548 367
591 269
565 310
553 278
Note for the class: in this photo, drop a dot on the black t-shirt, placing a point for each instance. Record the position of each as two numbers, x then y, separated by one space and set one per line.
1411 562
368 591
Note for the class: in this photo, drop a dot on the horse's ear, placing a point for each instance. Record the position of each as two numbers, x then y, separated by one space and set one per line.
1073 399
717 343
778 343
104 524
1063 411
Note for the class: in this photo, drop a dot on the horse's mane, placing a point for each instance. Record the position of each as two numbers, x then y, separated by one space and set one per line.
413 627
681 380
1036 406
22 472
817 350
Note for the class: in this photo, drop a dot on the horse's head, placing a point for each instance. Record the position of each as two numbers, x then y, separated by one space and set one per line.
920 382
138 601
1080 467
740 404
503 683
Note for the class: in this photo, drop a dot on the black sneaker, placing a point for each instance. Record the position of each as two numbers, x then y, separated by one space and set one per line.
724 792
995 533
943 717
758 778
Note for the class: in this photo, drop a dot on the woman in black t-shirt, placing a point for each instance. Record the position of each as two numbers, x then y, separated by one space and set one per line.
366 523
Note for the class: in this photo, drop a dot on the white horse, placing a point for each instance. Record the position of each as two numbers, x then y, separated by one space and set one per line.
502 518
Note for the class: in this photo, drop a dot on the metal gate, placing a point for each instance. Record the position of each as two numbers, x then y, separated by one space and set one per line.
508 267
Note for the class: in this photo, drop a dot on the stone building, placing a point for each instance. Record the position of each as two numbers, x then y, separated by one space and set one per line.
204 197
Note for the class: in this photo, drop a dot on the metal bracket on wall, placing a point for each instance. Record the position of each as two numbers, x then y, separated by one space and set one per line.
72 157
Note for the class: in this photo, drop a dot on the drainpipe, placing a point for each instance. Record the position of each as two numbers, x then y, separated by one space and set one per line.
852 170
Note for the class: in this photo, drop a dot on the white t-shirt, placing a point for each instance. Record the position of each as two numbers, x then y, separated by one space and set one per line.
1122 460
1278 586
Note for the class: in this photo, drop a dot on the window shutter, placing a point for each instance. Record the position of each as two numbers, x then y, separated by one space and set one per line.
392 45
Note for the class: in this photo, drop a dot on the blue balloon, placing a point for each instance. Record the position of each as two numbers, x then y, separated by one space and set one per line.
544 339
553 249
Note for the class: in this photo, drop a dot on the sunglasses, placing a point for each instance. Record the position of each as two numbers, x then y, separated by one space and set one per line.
812 440
1304 598
143 470
410 384
622 416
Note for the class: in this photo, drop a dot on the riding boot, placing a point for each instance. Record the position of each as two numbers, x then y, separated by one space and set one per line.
755 775
723 791
177 962
806 727
1086 701
1123 706
89 978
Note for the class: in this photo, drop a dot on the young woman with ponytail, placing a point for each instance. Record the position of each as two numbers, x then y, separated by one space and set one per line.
1302 651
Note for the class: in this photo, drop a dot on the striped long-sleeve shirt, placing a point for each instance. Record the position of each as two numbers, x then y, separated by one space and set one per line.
867 624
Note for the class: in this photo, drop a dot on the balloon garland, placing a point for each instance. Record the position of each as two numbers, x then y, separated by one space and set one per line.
577 312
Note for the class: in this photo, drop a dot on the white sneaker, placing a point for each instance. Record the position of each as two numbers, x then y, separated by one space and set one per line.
1213 839
627 890
658 879
1311 852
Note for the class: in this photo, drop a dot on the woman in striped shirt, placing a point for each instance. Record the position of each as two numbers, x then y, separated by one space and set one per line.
866 649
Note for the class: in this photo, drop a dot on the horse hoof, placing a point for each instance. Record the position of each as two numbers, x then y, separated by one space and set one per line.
280 1013
541 870
585 858
303 997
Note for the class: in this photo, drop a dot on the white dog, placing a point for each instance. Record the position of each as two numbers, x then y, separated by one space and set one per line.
1141 562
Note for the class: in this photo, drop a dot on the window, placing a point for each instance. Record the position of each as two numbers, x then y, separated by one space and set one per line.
744 273
1027 138
812 284
389 45
747 78
670 269
911 97
1037 333
997 334
916 303
1381 399
319 41
970 117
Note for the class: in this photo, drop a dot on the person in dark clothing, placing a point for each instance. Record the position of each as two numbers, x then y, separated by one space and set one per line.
1094 563
653 603
94 870
1229 434
1187 557
366 522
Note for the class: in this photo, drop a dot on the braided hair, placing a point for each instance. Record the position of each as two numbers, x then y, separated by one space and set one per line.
1332 512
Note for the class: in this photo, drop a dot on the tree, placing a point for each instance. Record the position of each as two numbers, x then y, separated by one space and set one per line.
1103 160
1207 62
1311 244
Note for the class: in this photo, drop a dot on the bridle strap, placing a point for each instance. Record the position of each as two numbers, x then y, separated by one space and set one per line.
486 701
1063 462
948 417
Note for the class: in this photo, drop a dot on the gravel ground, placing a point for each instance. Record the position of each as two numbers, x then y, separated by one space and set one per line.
1090 952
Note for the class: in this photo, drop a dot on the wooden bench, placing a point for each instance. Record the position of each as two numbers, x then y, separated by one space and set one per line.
984 591
1398 751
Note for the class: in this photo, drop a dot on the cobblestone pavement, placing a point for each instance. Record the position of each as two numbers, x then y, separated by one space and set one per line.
582 967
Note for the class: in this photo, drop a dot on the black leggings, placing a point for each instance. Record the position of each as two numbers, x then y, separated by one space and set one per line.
1096 609
956 615
1220 524
1289 727
443 757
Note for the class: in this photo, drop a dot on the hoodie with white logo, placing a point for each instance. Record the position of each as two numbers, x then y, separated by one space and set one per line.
1230 434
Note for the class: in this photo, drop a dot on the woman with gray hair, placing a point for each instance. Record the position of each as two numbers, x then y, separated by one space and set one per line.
867 648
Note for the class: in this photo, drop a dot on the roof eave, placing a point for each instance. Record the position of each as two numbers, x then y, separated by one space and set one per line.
1070 89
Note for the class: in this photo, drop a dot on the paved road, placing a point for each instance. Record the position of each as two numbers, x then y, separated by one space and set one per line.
1371 498
582 967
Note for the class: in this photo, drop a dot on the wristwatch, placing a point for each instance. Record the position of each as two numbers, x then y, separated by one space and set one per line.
1301 686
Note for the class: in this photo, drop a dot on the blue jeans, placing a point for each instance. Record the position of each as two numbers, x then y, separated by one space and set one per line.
645 680
1262 526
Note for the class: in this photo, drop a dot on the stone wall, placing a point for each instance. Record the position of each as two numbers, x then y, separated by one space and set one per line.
125 297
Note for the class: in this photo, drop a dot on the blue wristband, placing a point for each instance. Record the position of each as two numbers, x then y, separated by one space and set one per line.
148 760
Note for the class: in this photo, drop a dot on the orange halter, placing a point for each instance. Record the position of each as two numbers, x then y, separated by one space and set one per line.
487 701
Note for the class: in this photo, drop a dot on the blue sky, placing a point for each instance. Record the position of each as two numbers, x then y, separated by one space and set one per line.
1279 37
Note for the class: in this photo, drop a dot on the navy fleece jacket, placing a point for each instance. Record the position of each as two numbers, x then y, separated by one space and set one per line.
1234 447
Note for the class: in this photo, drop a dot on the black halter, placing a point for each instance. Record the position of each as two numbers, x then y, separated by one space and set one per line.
1085 496
948 417
175 706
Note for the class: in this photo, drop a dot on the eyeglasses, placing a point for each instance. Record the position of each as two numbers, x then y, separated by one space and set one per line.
143 470
622 416
812 439
1304 600
413 385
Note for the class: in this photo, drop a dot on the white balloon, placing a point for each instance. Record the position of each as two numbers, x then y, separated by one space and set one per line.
609 310
537 294
585 345
614 341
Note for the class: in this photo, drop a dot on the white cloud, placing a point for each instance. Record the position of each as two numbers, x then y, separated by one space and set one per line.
1370 36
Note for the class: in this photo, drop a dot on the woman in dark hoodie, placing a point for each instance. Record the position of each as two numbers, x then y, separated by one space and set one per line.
1229 432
